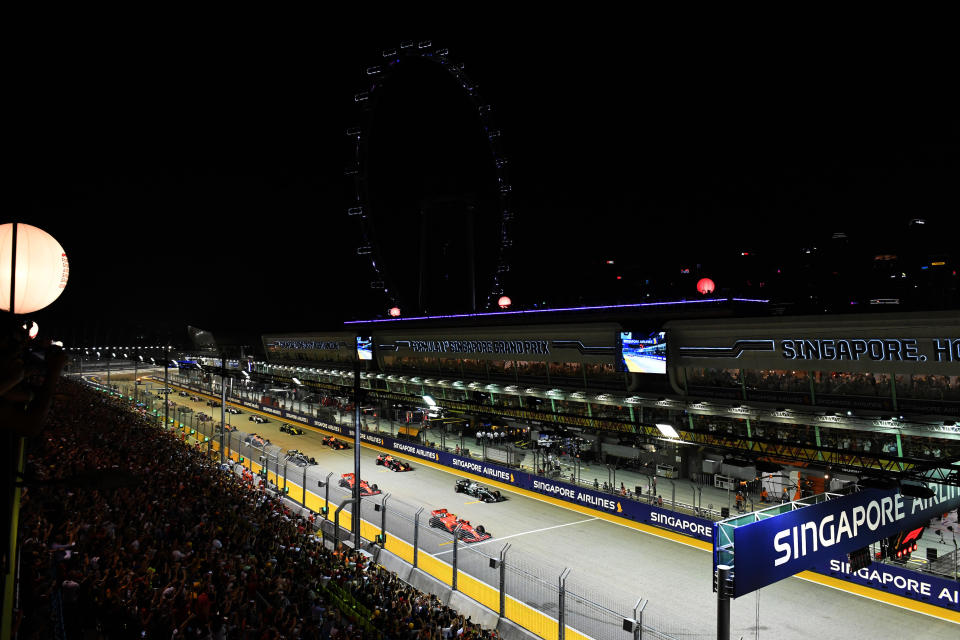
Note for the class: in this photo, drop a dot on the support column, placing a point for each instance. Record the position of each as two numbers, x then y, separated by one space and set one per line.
356 452
723 588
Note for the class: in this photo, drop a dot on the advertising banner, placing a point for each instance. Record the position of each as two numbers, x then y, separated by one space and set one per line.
783 545
897 580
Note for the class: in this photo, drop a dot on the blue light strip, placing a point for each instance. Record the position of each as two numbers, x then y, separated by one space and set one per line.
508 313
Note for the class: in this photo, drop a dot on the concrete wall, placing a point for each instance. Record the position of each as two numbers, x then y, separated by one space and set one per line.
454 599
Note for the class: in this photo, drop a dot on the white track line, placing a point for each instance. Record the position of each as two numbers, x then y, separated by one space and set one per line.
473 546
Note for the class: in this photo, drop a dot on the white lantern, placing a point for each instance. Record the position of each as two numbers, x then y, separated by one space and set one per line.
41 270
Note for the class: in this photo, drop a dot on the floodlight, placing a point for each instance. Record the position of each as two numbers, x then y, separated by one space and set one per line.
667 430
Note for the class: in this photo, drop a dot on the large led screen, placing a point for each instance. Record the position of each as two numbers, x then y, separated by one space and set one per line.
644 353
365 347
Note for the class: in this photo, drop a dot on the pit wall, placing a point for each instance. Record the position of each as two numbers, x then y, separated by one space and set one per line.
920 592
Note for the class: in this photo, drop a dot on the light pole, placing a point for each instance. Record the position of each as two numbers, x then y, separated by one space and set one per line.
166 379
223 398
356 446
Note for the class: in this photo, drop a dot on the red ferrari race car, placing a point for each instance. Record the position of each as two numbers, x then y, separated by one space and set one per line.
346 481
443 519
394 464
330 441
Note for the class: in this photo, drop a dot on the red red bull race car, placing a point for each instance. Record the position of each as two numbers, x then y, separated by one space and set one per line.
346 481
394 464
443 519
330 441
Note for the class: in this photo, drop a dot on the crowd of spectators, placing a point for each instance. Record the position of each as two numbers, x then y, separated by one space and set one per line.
929 387
128 532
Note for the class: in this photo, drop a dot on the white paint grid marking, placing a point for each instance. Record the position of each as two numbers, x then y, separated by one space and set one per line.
477 544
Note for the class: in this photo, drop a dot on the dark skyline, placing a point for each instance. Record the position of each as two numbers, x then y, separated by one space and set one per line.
195 186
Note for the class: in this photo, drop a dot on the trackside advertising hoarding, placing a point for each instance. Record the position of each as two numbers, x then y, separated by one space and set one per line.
780 546
891 578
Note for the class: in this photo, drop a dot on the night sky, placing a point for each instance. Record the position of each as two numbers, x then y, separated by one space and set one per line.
203 183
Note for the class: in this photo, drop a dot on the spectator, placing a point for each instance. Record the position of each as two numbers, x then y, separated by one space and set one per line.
154 540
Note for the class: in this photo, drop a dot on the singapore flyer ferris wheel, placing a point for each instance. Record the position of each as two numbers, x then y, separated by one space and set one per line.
428 185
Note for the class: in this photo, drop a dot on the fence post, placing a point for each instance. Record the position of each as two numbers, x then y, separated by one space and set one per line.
638 619
383 520
503 579
456 537
416 535
303 486
562 583
326 498
336 521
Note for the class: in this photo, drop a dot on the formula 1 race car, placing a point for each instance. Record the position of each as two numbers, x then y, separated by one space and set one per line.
182 394
299 458
292 430
258 419
227 427
486 494
213 403
330 441
232 410
346 481
255 440
443 519
393 463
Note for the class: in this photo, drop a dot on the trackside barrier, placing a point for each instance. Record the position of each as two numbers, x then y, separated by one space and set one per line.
918 586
